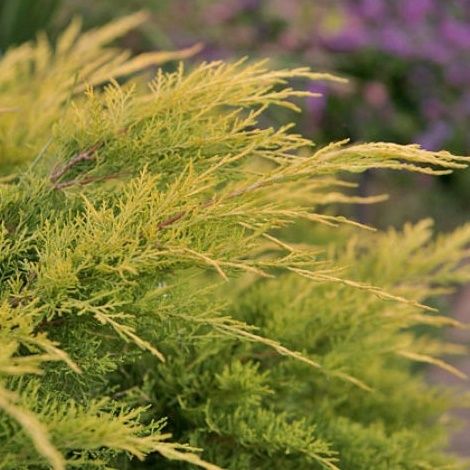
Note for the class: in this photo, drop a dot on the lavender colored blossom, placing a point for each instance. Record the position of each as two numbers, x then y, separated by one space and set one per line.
435 51
458 73
395 41
376 94
221 12
316 104
435 136
432 108
352 37
414 12
456 32
369 9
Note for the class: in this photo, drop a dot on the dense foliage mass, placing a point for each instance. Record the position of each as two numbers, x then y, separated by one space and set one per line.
176 288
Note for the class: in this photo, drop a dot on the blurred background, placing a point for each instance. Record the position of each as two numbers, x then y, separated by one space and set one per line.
407 62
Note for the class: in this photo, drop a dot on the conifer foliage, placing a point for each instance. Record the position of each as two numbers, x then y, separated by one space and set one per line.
177 289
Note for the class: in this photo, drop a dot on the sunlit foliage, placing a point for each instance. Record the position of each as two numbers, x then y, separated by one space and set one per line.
177 287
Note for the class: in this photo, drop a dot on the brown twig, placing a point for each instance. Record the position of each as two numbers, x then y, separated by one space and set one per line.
17 301
85 155
171 220
87 180
45 323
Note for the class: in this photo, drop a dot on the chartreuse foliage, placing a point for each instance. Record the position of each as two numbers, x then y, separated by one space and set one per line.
176 289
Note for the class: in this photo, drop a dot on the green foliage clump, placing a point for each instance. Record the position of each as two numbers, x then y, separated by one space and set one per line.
176 289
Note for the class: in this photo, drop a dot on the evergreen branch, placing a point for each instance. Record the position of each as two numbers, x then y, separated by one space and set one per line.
434 361
127 333
33 428
86 155
178 452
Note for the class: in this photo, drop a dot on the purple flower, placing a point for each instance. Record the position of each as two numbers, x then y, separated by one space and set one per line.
464 105
436 51
316 104
376 94
221 12
458 72
288 40
395 40
352 37
415 11
251 4
432 109
369 9
434 137
456 32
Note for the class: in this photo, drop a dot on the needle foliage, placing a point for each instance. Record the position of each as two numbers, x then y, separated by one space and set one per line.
178 288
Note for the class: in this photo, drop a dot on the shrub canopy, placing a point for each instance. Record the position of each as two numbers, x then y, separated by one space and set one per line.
177 288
